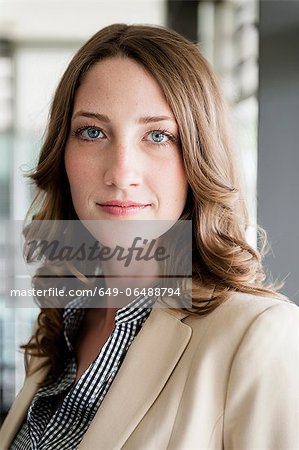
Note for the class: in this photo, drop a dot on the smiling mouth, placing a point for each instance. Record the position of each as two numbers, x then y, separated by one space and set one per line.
120 208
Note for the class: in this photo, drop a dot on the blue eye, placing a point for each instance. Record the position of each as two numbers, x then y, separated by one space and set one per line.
92 133
89 133
159 137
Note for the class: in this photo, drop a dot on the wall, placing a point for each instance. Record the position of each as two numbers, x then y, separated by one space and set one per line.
278 147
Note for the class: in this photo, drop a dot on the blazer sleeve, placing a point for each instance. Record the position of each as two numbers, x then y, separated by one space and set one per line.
262 404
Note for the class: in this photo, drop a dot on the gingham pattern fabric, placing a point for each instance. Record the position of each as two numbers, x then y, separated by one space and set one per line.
63 428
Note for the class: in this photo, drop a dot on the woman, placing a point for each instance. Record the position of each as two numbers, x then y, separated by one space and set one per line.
138 130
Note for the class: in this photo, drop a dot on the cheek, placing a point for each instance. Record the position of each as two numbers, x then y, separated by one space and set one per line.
172 183
77 169
79 180
79 175
179 180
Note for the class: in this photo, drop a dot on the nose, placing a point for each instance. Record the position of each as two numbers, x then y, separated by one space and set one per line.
123 167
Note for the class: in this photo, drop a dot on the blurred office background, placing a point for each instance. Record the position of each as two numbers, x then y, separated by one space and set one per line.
254 48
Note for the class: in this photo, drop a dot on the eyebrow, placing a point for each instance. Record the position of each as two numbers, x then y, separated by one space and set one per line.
104 118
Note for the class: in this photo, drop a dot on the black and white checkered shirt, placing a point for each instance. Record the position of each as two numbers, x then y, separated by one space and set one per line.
63 428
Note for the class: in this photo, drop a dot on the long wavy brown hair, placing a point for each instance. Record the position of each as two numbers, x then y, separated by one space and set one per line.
223 261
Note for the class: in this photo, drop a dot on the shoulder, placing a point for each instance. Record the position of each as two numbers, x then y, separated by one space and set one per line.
256 303
246 308
263 376
244 318
264 313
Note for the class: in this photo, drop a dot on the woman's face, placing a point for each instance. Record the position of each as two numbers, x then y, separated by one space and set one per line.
123 157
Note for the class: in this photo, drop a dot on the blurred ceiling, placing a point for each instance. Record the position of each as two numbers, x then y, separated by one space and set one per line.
72 20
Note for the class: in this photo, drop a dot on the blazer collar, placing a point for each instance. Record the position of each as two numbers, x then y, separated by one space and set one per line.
18 411
147 366
149 362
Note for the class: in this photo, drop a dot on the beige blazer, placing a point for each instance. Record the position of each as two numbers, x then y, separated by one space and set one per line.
226 381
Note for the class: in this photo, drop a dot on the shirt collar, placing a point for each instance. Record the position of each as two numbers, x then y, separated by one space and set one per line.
74 312
136 310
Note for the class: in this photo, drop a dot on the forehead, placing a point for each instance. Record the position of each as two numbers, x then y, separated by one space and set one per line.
118 82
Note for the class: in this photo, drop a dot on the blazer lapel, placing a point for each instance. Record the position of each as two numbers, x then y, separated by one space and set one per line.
149 362
17 412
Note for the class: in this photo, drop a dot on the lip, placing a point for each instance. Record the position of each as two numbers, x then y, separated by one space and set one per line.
122 207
